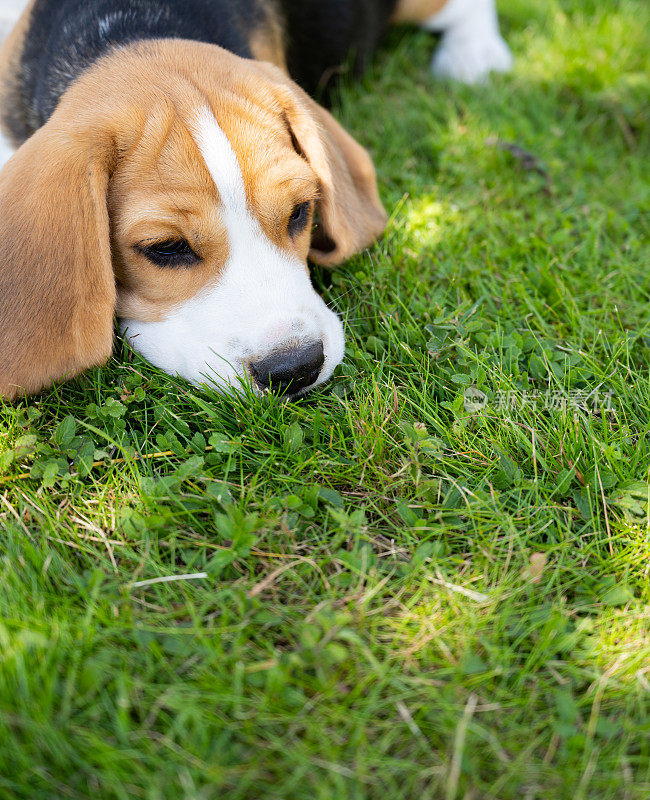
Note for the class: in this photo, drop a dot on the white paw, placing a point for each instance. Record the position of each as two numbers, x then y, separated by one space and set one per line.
470 59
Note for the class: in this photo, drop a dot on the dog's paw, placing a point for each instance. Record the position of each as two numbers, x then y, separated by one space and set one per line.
470 59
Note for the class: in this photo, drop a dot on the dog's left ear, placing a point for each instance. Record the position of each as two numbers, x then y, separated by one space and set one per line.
350 214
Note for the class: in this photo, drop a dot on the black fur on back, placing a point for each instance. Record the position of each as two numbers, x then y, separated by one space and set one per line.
66 36
322 35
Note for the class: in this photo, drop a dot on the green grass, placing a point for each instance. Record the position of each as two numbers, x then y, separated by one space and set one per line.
404 599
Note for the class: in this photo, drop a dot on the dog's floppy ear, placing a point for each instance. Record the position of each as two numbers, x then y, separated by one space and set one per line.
350 213
57 289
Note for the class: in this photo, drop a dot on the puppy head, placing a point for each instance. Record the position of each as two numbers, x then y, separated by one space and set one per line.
187 202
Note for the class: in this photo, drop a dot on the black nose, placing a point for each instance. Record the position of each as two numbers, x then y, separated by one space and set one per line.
289 371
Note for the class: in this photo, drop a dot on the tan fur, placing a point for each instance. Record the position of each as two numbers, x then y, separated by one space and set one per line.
417 10
57 290
163 190
112 170
267 42
350 212
352 216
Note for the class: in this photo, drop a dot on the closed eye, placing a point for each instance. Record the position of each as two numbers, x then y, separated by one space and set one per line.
169 253
299 218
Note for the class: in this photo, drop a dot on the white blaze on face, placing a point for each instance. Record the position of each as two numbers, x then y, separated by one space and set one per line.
263 301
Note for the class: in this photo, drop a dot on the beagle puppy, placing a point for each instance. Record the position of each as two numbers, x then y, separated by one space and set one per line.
172 169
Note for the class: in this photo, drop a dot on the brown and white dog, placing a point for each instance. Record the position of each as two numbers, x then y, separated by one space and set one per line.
173 171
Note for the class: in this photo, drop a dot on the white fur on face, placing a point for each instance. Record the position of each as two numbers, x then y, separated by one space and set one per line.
263 301
472 45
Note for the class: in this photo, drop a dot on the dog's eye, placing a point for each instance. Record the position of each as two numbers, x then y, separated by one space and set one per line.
170 253
298 219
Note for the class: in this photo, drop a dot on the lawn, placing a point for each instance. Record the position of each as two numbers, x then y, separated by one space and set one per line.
429 580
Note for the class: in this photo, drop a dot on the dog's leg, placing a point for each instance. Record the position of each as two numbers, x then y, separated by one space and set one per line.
472 45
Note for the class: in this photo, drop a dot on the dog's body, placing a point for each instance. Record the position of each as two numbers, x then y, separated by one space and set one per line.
169 174
309 37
